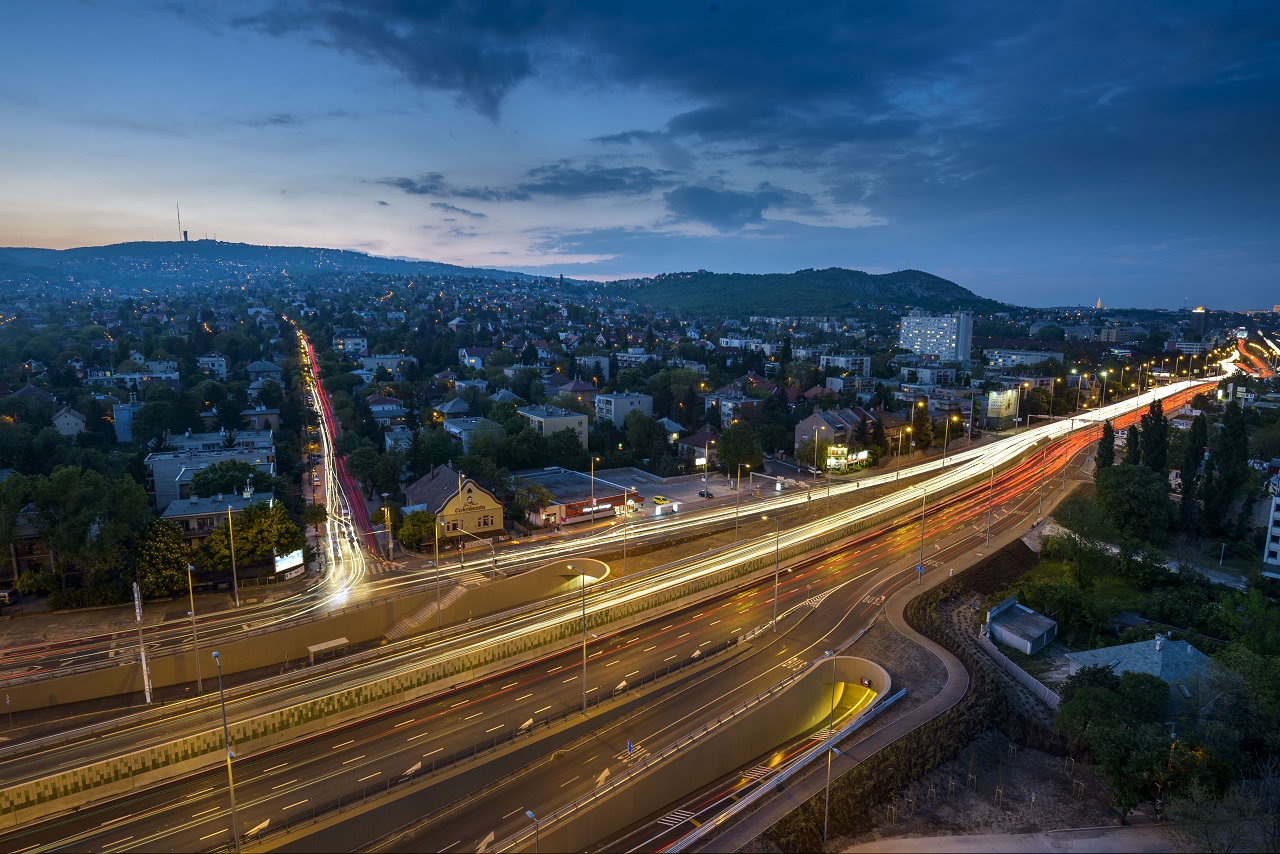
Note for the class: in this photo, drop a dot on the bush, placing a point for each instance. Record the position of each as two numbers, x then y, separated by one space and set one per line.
89 597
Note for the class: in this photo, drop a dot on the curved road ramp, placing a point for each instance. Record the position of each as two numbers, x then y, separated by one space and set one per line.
793 708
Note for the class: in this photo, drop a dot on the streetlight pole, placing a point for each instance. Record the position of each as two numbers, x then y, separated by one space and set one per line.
831 731
195 640
593 487
737 498
231 537
897 460
946 437
226 741
435 523
1103 374
386 512
535 829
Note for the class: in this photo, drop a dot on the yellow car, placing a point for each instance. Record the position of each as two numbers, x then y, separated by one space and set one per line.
658 499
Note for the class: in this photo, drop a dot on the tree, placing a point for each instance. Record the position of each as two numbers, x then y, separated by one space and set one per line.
642 431
161 559
921 427
1155 438
878 439
261 533
1106 456
417 528
1133 757
739 445
1136 501
228 477
805 454
529 498
315 515
1133 446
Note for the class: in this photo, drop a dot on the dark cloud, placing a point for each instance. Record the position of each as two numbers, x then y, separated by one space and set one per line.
381 203
727 210
448 208
273 120
566 179
434 184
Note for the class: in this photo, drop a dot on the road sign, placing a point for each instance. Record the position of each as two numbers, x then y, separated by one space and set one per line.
631 748
137 602
919 567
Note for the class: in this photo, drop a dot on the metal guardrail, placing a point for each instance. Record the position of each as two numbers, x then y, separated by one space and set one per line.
778 779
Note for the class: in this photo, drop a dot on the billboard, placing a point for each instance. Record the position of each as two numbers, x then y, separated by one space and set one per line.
289 561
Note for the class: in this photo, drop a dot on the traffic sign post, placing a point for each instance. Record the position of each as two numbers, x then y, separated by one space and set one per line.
142 647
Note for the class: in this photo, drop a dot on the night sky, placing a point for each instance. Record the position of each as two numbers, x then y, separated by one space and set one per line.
1040 153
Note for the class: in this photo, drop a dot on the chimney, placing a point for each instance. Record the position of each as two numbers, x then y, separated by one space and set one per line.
1159 642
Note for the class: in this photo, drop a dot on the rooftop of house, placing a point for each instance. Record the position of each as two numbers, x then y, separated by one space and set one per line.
1176 662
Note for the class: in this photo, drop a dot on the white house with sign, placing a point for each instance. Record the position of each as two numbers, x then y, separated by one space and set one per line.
463 508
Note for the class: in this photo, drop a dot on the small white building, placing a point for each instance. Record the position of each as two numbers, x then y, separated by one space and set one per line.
616 407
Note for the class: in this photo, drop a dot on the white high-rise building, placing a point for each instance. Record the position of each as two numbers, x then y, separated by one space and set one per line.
947 337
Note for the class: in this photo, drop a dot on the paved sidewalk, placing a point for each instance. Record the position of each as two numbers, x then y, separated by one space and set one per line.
804 788
1151 839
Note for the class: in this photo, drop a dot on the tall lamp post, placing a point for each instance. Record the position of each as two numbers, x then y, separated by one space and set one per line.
386 512
435 523
593 487
897 461
737 498
226 740
777 547
946 437
534 818
706 469
1103 374
831 731
195 641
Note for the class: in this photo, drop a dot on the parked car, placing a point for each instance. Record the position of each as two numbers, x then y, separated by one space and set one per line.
706 493
659 499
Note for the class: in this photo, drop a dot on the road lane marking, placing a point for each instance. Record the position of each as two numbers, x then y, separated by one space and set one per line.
704 643
459 703
648 649
476 715
370 777
505 687
204 812
121 818
404 723
273 768
713 622
553 670
344 744
432 753
664 628
418 736
525 697
354 759
611 663
221 831
298 804
495 729
665 660
685 635
567 782
290 783
447 847
567 681
632 673
513 812
543 709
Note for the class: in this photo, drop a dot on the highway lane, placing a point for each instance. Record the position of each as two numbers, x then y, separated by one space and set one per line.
378 748
830 598
771 539
266 698
351 584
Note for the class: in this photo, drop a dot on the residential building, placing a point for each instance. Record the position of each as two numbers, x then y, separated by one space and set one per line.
593 367
394 364
386 411
1178 663
200 517
399 438
1003 359
262 370
583 392
699 447
122 415
547 420
169 473
350 342
947 337
616 407
463 429
214 364
463 509
853 366
474 357
1271 550
634 357
68 422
